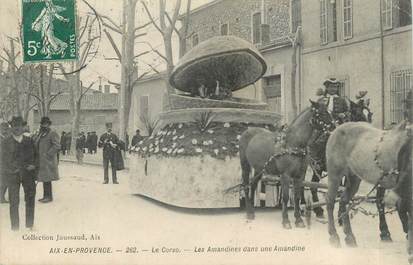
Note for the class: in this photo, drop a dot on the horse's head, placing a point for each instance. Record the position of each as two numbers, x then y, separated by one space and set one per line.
321 119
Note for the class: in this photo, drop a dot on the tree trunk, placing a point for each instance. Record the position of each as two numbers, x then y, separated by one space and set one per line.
14 79
76 108
127 72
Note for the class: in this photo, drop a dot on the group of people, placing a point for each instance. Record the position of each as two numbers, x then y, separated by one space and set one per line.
203 90
25 160
84 142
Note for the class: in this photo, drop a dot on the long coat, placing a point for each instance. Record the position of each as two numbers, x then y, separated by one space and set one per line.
47 147
15 158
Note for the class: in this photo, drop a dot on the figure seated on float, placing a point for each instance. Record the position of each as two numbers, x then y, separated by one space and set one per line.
221 93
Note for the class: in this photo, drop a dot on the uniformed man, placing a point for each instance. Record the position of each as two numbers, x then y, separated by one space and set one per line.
336 105
109 141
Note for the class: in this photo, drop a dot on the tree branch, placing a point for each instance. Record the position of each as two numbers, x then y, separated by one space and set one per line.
151 18
141 54
173 25
142 26
112 42
86 90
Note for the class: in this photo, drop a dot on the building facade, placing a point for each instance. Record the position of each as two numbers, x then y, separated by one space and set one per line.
266 23
96 110
366 45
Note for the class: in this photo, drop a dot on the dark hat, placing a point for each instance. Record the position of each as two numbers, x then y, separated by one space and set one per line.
16 121
361 94
45 120
108 125
138 131
330 81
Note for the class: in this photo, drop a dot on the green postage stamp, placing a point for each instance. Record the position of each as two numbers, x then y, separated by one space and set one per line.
49 30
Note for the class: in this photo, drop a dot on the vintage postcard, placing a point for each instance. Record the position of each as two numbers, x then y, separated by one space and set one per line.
206 132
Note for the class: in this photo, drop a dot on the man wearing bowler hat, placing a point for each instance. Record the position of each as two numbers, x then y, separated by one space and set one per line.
47 146
18 167
109 141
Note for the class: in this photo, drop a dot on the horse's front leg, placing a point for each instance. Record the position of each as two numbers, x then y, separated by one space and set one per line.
384 230
348 194
319 212
245 180
285 187
297 199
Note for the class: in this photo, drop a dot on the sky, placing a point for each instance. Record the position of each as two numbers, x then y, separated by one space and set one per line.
109 70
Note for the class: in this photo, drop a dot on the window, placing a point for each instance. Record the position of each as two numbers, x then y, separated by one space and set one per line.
224 29
144 106
295 15
347 19
387 14
323 22
272 89
328 21
195 39
401 82
256 28
396 13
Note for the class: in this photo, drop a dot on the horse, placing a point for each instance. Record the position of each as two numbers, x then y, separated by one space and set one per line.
359 151
259 150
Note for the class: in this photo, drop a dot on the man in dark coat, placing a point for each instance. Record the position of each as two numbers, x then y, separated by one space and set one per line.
47 146
18 160
109 142
4 133
89 142
94 142
63 143
136 138
82 143
68 141
336 105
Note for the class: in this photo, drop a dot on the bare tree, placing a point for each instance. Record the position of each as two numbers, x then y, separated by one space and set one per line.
127 57
86 39
166 31
30 86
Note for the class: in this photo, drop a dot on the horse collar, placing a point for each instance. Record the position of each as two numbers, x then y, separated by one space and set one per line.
386 176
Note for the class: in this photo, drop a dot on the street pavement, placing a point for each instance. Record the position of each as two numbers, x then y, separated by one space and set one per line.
135 228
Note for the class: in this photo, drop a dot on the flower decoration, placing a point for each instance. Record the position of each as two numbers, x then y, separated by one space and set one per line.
174 138
180 125
164 149
227 125
181 137
210 131
238 137
194 141
216 151
198 150
180 151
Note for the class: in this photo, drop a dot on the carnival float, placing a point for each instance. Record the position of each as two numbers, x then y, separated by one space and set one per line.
192 155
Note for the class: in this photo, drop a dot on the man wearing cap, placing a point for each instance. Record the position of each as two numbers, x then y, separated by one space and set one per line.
47 146
18 166
336 105
109 141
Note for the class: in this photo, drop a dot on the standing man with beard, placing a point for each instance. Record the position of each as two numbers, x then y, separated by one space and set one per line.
18 167
109 142
47 145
